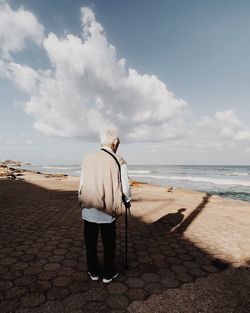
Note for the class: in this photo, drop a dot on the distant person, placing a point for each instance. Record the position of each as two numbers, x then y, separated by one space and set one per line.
103 188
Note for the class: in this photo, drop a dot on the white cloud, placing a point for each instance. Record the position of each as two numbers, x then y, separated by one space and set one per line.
89 87
24 77
16 27
225 124
231 127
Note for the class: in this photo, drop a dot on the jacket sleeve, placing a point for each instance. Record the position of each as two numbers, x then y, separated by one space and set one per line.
126 189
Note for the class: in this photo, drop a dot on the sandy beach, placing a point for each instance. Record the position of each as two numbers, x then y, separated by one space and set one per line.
188 251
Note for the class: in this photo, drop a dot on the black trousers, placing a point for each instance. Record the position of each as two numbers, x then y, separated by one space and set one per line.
108 234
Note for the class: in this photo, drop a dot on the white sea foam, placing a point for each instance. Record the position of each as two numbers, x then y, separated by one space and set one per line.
59 167
216 181
77 172
139 172
239 174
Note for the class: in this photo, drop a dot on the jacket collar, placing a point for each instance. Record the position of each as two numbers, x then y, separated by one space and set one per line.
108 149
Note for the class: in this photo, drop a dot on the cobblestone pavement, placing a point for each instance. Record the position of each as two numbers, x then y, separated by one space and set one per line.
42 256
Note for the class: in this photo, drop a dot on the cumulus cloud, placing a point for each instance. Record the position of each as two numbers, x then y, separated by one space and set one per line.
24 77
89 88
16 28
231 127
227 125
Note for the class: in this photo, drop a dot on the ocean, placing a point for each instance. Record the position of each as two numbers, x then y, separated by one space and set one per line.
227 181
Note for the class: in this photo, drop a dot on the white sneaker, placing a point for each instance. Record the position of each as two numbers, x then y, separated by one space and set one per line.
107 280
93 276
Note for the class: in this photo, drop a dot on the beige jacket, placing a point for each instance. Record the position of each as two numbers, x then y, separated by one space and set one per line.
101 185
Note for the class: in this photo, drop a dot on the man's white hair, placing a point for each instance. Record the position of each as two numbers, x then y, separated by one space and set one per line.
108 136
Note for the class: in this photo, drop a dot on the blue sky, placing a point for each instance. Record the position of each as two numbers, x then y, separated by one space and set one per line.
199 50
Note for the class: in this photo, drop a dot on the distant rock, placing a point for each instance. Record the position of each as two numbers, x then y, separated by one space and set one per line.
8 170
55 175
11 163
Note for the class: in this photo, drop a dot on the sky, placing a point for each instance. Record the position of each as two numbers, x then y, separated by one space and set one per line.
171 75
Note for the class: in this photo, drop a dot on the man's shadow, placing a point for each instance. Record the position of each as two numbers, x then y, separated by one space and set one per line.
171 220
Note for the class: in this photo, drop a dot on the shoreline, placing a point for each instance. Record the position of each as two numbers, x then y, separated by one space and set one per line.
20 173
232 183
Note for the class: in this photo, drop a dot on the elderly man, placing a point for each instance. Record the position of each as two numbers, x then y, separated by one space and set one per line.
103 191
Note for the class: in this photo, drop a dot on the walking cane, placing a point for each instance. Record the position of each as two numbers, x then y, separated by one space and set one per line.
126 238
127 206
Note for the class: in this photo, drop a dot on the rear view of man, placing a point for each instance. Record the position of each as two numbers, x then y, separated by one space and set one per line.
103 188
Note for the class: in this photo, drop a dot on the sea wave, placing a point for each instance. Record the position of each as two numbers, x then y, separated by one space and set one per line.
239 174
60 167
216 181
139 172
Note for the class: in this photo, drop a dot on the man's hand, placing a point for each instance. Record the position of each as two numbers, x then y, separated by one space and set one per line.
128 205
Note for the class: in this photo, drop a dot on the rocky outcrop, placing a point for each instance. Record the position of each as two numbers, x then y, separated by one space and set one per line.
11 163
7 171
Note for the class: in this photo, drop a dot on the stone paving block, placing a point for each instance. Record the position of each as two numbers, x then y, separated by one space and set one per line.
165 272
11 275
94 307
39 262
209 268
3 269
97 294
150 277
170 282
146 267
8 261
116 288
47 275
9 306
16 254
32 300
77 287
27 258
80 276
22 248
3 256
65 271
51 266
75 301
15 292
57 293
137 294
25 280
184 277
178 269
134 282
117 302
56 259
197 273
154 288
173 260
40 286
191 265
134 306
61 281
134 273
6 250
5 284
59 251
